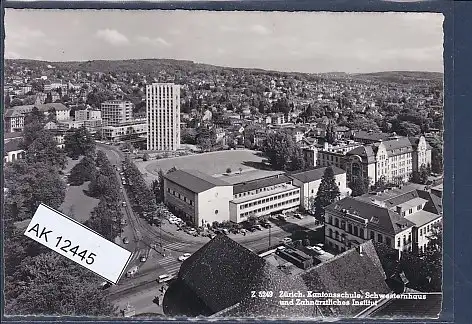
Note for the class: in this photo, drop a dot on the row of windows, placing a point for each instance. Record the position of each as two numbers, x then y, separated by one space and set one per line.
277 205
181 197
254 192
405 240
265 200
428 228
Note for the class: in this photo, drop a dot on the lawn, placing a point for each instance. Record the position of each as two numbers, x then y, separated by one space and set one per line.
76 203
213 163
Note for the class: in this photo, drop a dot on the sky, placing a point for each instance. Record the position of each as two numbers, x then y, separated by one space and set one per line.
312 42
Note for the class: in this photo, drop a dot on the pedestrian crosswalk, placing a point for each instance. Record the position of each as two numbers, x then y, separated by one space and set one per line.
170 264
177 246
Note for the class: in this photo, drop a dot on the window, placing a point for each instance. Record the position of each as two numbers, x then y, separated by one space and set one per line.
421 232
403 214
372 236
330 233
410 210
388 241
380 238
398 242
336 222
361 233
216 211
356 231
337 235
404 239
349 228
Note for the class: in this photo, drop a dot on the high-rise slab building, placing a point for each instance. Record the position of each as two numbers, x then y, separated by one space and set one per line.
116 112
163 116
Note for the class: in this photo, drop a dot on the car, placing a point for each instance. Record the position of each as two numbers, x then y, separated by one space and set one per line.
286 240
310 247
282 217
123 203
242 231
105 285
297 215
123 183
321 245
225 231
251 229
280 248
131 272
164 278
192 231
266 225
125 240
143 258
318 250
122 173
258 227
211 236
184 257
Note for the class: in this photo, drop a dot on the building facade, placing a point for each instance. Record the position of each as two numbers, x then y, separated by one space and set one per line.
116 112
309 182
125 130
197 197
261 197
163 116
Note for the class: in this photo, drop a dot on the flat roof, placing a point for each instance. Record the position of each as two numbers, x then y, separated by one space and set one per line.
194 180
412 203
260 183
422 217
246 175
263 194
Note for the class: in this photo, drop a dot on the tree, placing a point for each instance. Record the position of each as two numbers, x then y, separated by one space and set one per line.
48 98
282 152
30 184
359 186
205 138
146 157
43 149
49 284
16 102
7 100
83 171
330 134
328 192
79 141
436 161
228 170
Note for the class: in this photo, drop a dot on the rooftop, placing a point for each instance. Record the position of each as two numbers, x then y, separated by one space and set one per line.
379 218
422 217
194 180
315 174
260 183
262 194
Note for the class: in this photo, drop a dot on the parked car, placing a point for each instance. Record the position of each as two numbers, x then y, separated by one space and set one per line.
282 217
286 240
225 231
184 257
280 248
297 215
192 231
125 240
131 272
123 203
143 258
258 227
321 245
242 231
266 225
251 229
165 277
318 250
105 285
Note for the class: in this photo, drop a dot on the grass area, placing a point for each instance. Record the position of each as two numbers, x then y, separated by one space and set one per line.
213 163
77 204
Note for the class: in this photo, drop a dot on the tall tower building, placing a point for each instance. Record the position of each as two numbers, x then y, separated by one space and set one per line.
163 116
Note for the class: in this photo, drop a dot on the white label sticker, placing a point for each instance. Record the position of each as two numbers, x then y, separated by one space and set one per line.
78 243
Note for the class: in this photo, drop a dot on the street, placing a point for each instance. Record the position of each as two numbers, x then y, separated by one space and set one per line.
142 236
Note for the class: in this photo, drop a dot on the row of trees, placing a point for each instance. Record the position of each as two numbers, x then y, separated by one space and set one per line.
144 198
106 217
38 281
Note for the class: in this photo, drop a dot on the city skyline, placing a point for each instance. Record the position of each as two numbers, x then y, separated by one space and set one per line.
282 41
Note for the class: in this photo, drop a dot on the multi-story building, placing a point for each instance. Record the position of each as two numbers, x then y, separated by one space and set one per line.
422 208
263 196
402 218
163 116
88 114
393 160
137 127
351 221
335 154
15 117
116 112
309 182
197 197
